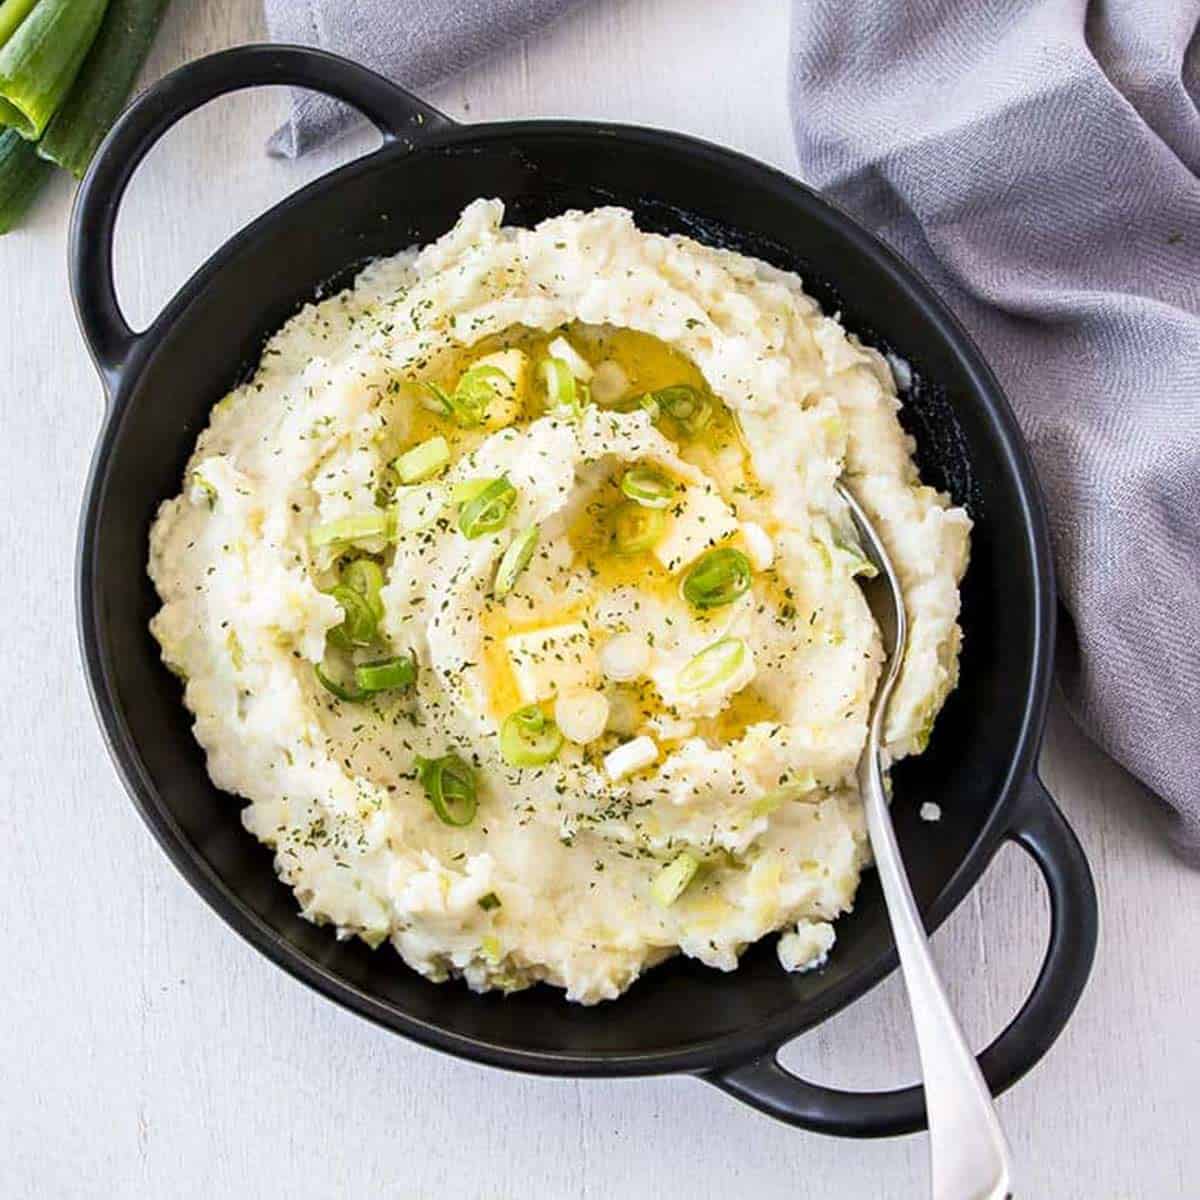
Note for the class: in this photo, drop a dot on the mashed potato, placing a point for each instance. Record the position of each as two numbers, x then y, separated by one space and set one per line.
514 596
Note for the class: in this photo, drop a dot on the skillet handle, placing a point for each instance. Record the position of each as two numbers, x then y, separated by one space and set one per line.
1039 828
399 117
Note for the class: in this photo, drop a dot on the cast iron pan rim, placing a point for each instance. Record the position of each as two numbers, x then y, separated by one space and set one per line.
725 1051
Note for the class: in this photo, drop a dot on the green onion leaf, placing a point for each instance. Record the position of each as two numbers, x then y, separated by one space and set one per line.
103 84
528 738
515 560
637 528
359 626
449 784
713 666
424 461
386 673
39 62
22 177
488 902
648 487
488 511
669 884
356 527
350 695
12 13
717 578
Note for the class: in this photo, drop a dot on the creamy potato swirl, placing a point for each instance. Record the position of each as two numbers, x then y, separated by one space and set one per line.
514 596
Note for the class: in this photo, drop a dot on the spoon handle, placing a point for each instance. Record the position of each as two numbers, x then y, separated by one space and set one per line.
969 1156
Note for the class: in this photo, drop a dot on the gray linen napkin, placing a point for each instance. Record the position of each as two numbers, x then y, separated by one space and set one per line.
416 42
1037 161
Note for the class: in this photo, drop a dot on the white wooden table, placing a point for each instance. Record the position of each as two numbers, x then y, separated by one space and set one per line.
146 1052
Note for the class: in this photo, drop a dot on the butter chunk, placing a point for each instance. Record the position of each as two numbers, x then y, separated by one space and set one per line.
553 660
509 402
698 519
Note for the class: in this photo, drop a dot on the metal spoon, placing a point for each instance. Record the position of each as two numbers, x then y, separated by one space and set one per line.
968 1154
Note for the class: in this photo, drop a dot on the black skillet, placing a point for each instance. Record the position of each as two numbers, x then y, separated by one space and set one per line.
161 383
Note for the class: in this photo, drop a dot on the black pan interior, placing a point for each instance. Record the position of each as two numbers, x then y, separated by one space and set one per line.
211 337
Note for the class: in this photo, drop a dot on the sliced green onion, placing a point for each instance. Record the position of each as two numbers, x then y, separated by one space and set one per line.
437 400
648 487
713 666
561 390
717 578
477 389
467 490
449 784
528 738
358 627
670 883
424 461
631 403
103 85
366 577
353 528
684 404
350 695
39 62
515 560
469 401
488 511
22 176
768 802
637 528
386 673
488 902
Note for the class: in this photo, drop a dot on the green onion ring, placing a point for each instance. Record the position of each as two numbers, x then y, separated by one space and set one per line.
359 625
349 694
352 528
528 738
488 511
423 461
560 384
713 666
717 578
449 785
365 576
637 528
648 487
383 674
669 884
683 403
515 560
